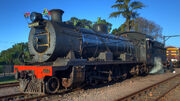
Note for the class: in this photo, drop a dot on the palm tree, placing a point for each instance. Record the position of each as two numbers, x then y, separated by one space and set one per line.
128 10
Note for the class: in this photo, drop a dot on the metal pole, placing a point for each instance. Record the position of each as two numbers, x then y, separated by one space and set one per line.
165 38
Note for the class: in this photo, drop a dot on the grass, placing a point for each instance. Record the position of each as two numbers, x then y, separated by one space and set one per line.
7 79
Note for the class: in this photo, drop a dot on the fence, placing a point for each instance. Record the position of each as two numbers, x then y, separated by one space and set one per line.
6 70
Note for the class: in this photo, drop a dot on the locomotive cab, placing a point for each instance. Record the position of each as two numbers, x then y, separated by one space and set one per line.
146 47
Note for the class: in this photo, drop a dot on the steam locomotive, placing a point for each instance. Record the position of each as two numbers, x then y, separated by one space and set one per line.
65 56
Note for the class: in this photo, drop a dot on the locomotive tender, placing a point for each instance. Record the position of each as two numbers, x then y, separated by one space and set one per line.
65 56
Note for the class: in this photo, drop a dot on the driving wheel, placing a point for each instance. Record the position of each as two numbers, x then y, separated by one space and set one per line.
52 85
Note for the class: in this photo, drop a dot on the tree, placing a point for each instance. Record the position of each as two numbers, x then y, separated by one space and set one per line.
84 23
115 31
122 28
148 27
11 55
128 10
144 26
103 21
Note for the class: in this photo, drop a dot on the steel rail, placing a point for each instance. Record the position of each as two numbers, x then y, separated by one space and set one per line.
40 97
167 92
11 96
21 97
138 93
5 85
37 97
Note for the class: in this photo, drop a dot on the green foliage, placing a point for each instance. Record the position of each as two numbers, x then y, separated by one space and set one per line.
80 22
84 23
11 55
122 28
115 31
127 9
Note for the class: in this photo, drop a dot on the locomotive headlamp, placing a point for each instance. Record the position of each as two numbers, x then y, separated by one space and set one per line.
35 16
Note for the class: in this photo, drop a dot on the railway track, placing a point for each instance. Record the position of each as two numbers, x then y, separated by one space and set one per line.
155 92
11 97
5 85
17 96
29 97
21 97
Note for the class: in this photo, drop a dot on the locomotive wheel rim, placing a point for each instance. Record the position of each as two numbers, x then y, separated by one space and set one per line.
52 85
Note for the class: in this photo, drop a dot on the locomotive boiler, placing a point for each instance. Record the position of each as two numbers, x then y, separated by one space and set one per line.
53 39
65 56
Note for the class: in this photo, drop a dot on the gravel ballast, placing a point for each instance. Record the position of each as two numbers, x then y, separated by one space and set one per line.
117 90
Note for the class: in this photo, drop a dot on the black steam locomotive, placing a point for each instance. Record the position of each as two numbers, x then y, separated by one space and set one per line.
65 56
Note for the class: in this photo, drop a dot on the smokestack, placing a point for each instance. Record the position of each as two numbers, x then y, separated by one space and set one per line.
56 15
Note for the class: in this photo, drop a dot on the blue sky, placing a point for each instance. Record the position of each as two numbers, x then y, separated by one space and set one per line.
14 27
